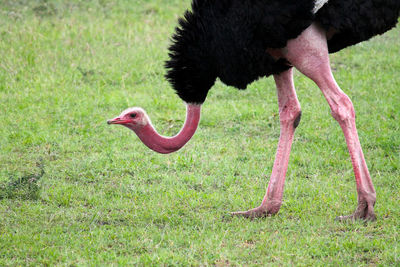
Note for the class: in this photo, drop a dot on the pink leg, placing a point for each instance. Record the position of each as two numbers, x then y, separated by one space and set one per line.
289 113
309 54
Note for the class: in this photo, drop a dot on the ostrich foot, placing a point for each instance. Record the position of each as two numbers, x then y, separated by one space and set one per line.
259 212
364 211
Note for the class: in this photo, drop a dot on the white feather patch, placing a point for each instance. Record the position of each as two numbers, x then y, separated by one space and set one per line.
318 4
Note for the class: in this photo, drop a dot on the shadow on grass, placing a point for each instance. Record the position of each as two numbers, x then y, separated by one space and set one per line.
25 187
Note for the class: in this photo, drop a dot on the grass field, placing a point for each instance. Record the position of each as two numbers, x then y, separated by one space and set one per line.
76 192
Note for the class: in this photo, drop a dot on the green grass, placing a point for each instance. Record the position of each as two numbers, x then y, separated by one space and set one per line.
76 192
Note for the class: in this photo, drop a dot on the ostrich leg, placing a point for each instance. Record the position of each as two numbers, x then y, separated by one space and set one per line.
289 114
309 54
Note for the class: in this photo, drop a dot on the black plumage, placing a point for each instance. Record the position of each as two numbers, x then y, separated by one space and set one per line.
357 20
227 39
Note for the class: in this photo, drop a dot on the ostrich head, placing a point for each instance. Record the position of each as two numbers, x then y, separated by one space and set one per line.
134 118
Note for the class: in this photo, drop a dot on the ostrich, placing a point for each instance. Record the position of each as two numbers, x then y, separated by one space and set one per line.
239 41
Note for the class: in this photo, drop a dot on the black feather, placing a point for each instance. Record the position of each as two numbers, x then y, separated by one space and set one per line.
355 21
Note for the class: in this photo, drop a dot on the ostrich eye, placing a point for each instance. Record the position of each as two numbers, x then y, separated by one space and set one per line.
133 115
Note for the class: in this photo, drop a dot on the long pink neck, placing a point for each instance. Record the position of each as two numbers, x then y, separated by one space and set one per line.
165 145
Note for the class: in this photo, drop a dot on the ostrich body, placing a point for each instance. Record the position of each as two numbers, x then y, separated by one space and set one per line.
240 41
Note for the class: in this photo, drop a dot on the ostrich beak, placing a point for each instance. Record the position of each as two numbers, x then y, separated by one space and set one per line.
116 120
